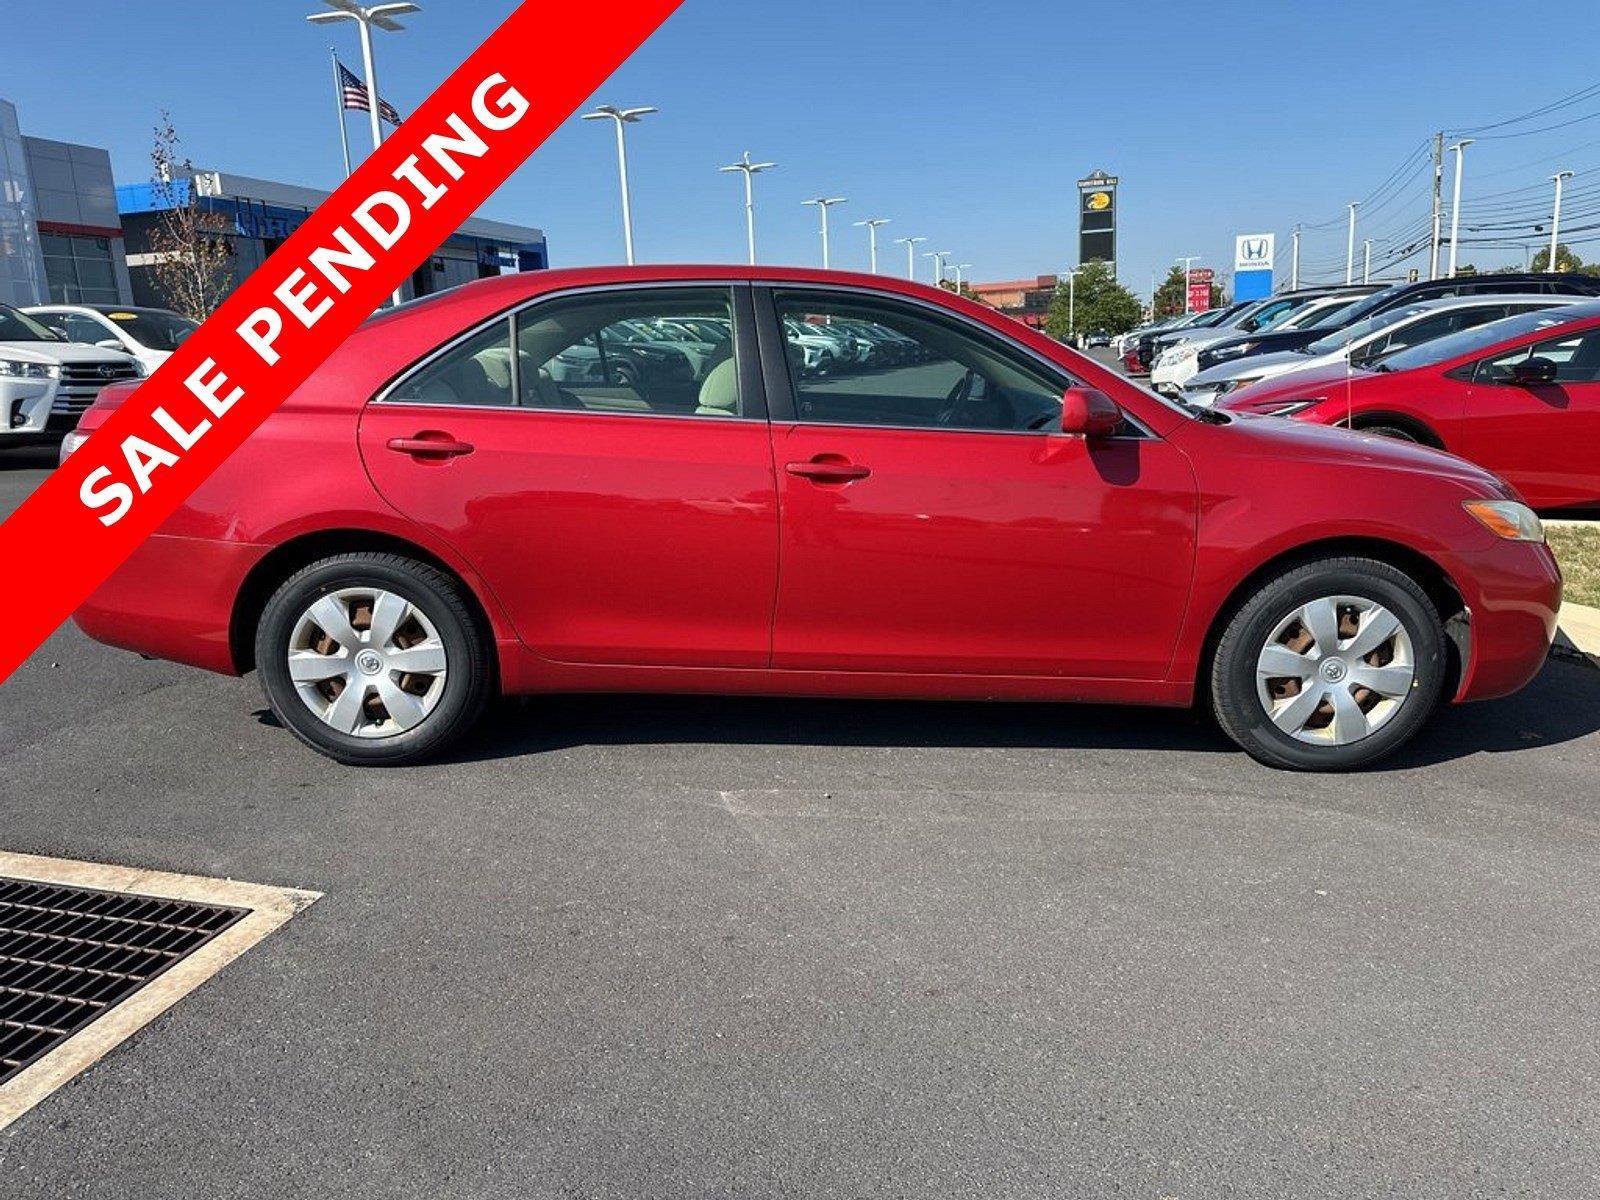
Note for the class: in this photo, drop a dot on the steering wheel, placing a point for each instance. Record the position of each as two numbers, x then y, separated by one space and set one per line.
958 396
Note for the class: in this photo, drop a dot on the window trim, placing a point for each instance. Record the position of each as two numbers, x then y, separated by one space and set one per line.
780 388
752 391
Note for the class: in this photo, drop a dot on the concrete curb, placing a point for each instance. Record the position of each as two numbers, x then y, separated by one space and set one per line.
1578 635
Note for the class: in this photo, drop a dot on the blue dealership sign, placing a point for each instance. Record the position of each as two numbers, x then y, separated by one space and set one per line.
1252 266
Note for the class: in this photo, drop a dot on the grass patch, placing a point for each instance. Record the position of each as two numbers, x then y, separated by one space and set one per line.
1578 552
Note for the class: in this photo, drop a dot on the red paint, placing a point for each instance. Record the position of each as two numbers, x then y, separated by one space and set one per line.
1543 439
618 552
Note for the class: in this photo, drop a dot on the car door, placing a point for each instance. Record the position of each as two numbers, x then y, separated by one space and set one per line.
1542 438
934 520
620 505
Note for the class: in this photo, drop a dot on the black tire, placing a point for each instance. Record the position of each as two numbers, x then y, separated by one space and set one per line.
1390 431
469 680
1240 711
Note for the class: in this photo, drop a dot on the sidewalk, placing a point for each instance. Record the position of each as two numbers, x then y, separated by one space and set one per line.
1579 632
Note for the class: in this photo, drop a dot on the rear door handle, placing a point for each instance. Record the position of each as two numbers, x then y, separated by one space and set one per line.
429 444
826 468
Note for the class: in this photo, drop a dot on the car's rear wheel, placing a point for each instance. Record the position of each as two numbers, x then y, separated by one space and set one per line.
1330 666
1390 431
373 659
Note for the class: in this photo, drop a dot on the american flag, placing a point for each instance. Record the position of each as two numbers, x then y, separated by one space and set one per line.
354 93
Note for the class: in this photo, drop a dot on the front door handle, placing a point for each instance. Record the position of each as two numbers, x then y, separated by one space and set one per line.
430 444
828 468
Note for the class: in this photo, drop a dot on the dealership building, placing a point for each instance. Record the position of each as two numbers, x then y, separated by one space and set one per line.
60 236
258 215
1028 300
70 235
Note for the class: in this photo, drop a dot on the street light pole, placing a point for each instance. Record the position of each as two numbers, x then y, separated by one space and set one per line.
1188 262
1366 260
750 171
960 267
911 244
621 116
823 205
1455 203
1072 302
872 237
382 16
1350 247
1294 263
1555 220
938 257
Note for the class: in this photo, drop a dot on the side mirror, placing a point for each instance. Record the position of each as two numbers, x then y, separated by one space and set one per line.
109 344
1089 412
1532 372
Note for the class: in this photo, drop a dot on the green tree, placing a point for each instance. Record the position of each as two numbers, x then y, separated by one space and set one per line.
1566 260
1095 301
1171 296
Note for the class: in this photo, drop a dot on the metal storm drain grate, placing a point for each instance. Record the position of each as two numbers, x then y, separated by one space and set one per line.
68 954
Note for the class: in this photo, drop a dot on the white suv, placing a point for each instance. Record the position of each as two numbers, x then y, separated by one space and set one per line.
46 382
149 334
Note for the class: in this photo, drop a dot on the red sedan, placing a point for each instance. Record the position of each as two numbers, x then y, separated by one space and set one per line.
645 479
1520 396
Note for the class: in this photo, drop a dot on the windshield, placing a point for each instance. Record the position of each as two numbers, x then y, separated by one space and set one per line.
19 327
1340 338
1470 341
155 328
1329 317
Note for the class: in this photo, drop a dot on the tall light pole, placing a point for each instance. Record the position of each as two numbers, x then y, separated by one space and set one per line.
823 204
750 171
1366 260
961 267
938 257
872 237
1555 220
1294 263
1455 204
382 17
1350 247
911 245
1187 260
622 116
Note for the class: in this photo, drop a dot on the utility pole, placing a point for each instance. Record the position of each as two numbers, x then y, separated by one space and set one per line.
1350 247
872 237
1438 190
1294 263
1555 220
1366 262
1455 204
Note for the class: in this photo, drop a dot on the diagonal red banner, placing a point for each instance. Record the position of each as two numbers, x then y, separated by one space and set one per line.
266 339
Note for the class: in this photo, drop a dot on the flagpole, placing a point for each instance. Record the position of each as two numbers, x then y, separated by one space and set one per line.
338 100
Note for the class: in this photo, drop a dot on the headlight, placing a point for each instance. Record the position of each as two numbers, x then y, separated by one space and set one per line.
1290 407
15 369
71 442
1506 519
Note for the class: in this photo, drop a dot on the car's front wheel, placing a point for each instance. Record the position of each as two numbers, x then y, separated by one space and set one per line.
373 659
1329 666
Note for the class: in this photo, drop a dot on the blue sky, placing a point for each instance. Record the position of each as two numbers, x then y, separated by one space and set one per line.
964 122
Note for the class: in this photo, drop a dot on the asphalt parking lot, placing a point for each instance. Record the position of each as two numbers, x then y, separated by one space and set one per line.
665 947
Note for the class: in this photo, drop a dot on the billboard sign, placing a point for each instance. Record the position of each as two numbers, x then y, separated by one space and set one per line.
1252 265
1200 289
1097 218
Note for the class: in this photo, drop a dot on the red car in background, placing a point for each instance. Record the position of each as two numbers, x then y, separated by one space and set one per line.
474 496
1519 396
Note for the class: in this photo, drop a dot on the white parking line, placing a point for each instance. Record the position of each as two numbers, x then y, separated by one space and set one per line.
269 907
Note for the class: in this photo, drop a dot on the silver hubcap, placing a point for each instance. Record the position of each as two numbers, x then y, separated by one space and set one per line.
367 662
1335 670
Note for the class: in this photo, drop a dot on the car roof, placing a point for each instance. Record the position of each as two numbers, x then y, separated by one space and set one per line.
1477 298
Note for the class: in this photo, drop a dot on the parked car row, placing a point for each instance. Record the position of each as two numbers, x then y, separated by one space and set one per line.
55 358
